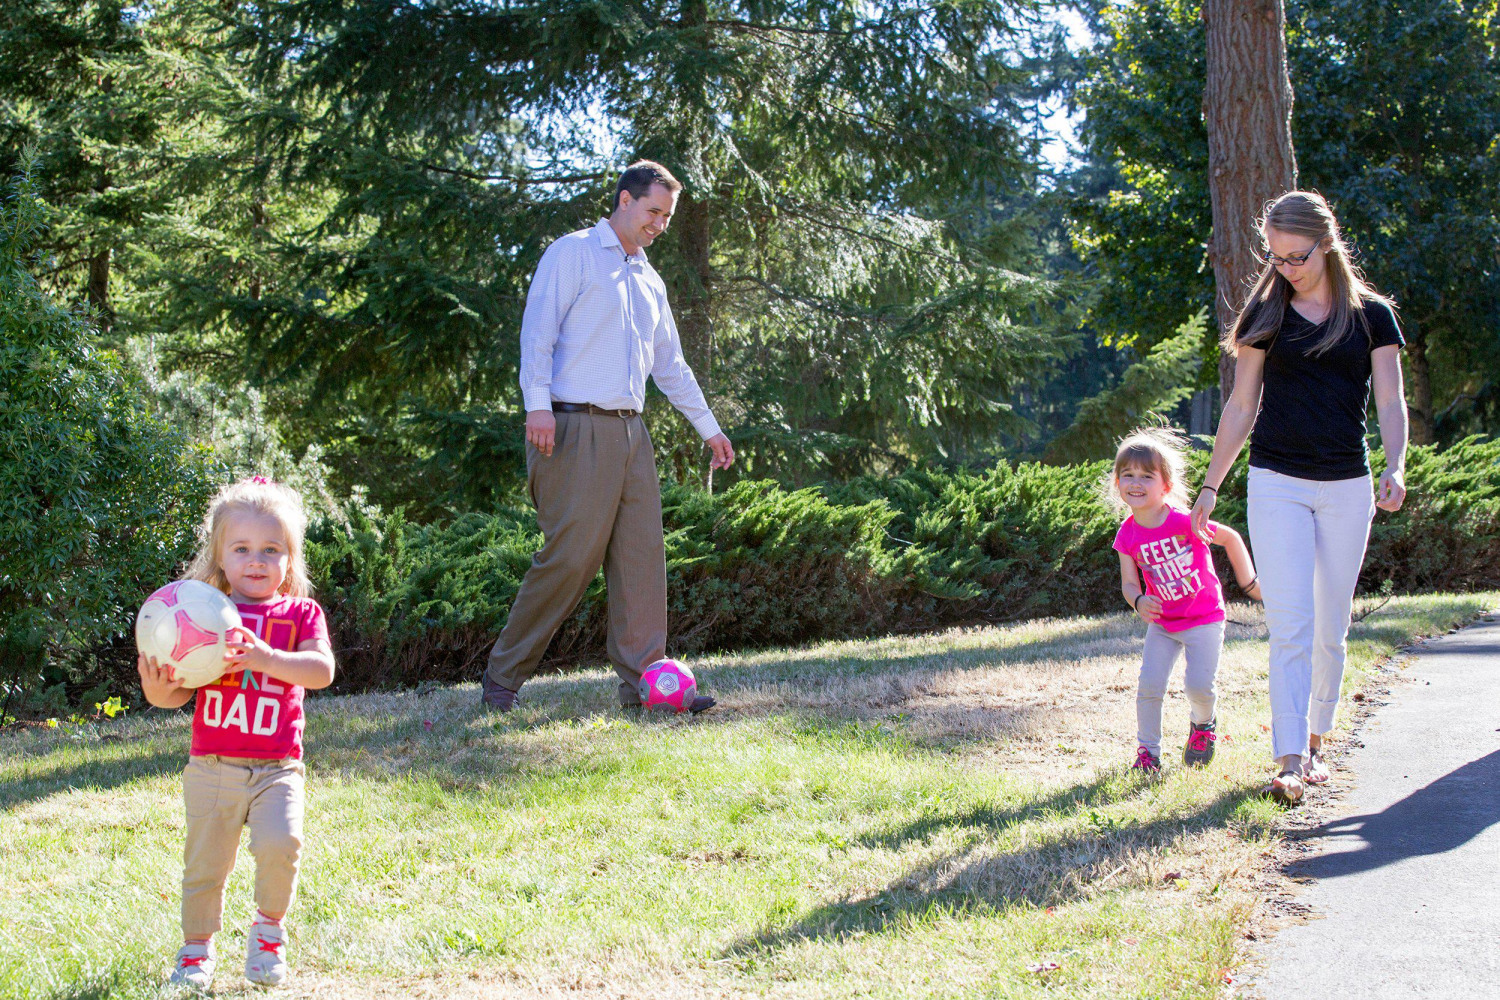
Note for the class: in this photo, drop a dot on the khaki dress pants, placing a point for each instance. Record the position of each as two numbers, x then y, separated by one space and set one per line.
598 502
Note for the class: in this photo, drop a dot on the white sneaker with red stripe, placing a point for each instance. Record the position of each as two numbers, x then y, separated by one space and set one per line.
265 953
195 966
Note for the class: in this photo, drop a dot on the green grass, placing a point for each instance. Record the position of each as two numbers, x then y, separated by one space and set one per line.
909 817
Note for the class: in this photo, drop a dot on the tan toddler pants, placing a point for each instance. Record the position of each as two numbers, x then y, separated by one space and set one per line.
223 795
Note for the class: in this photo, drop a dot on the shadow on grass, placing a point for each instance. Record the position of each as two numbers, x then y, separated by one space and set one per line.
983 876
100 771
466 752
990 821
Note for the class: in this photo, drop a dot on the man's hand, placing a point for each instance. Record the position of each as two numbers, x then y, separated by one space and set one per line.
718 444
541 430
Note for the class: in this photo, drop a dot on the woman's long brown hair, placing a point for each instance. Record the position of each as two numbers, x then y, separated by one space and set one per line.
1306 214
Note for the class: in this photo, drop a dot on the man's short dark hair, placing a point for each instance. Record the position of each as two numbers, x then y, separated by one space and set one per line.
641 175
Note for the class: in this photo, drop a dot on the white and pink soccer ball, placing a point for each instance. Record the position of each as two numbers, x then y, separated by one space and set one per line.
185 626
669 683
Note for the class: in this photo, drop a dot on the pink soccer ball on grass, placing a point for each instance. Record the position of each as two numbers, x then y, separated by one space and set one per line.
669 683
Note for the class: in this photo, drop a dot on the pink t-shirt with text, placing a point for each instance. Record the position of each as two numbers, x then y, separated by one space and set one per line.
1177 569
249 714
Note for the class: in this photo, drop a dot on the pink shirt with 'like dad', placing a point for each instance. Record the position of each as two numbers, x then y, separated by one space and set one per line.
1177 569
250 714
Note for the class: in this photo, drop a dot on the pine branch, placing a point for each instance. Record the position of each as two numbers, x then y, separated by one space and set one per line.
518 181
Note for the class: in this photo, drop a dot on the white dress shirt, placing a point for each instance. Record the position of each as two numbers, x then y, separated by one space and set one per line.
596 324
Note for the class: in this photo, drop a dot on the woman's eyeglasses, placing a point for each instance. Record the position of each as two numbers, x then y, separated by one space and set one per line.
1295 260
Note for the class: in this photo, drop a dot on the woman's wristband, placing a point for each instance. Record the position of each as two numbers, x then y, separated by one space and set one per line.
1135 605
1253 580
1205 486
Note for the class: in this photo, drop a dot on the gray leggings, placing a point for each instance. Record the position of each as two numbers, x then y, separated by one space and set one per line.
1202 644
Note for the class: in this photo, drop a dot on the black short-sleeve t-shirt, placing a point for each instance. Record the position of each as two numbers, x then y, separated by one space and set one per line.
1311 423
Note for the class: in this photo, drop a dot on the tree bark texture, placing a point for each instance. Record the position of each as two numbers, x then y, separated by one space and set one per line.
694 237
98 288
257 233
693 221
1247 108
1419 384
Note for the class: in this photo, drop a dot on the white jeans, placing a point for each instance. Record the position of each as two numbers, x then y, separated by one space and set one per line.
1309 540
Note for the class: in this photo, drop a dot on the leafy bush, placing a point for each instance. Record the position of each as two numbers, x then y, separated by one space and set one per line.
98 499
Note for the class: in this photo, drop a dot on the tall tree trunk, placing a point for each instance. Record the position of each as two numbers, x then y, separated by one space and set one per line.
1419 379
257 232
692 221
98 288
1247 107
693 320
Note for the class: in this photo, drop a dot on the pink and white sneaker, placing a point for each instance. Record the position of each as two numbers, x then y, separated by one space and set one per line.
195 966
265 953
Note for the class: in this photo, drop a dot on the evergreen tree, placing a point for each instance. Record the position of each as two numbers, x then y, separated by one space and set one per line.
111 98
844 289
98 499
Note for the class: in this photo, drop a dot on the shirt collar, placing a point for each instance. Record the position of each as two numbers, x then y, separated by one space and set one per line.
608 238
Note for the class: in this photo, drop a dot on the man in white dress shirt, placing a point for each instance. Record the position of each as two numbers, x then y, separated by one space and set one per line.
596 324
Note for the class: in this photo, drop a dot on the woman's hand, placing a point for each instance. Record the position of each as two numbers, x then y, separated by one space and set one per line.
1208 498
244 650
1392 491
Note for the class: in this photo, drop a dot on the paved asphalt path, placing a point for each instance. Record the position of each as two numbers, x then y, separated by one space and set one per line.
1407 875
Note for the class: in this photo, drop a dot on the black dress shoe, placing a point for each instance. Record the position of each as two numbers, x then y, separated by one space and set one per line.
494 697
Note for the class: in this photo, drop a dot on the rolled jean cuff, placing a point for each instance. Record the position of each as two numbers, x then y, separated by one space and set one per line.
1288 736
1321 716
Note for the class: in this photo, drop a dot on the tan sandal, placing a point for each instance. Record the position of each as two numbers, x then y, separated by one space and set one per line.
1287 788
1316 771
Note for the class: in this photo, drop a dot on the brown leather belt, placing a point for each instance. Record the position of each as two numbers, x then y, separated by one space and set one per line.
591 408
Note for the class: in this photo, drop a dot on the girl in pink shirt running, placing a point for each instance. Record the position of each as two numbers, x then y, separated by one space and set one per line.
245 766
1167 576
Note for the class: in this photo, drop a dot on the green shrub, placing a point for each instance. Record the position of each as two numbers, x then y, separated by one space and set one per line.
762 565
1447 537
98 500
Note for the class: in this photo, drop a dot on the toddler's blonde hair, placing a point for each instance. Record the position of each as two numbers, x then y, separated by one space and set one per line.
256 495
1156 449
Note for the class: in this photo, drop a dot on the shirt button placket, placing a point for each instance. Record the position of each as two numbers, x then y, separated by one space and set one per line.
629 331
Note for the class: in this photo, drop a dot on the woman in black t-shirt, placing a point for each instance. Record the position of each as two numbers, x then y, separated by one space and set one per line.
1310 341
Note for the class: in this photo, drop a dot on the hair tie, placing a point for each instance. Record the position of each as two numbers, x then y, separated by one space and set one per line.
261 481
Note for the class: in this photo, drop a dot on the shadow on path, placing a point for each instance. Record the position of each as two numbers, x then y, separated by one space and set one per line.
1434 819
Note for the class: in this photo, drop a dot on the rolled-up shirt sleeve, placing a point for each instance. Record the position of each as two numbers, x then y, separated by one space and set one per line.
553 290
674 378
